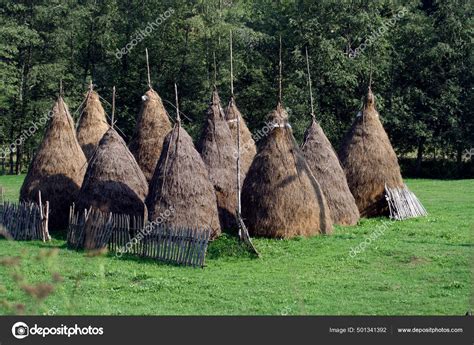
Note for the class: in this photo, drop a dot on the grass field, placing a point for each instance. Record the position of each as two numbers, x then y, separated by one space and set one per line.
415 267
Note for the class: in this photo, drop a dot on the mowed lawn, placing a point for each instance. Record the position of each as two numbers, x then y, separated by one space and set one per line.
415 267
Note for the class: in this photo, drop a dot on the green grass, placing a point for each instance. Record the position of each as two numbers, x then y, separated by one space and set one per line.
416 267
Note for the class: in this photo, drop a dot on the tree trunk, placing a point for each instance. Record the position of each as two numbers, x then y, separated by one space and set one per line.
419 156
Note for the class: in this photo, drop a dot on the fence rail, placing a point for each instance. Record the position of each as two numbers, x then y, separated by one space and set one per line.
124 234
25 221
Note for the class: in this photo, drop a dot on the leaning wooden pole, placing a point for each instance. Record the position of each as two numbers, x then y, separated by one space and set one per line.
243 231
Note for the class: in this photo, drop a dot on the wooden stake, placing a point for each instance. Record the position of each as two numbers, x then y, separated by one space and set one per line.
309 83
91 86
60 87
231 68
215 69
148 68
178 118
113 106
280 76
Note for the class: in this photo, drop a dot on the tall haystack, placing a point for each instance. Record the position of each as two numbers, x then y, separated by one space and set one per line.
248 148
152 127
219 153
181 184
327 170
370 163
280 197
114 182
92 124
58 168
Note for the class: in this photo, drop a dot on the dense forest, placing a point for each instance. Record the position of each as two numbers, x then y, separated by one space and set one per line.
418 55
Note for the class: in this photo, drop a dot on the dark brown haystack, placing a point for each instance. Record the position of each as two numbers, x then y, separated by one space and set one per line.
327 170
219 153
114 182
181 184
57 169
280 197
369 161
92 124
152 127
248 148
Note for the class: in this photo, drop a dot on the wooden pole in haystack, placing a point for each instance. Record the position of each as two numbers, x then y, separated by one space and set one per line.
148 69
310 86
243 232
280 77
113 107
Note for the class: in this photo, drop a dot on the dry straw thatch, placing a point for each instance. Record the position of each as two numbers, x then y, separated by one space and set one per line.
152 127
248 148
58 167
326 168
92 124
114 182
369 161
219 153
280 196
181 182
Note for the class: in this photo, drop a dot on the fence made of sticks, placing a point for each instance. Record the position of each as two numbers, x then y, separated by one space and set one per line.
128 235
403 204
24 221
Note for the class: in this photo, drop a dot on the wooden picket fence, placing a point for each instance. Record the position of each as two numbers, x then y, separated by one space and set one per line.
403 203
25 221
124 234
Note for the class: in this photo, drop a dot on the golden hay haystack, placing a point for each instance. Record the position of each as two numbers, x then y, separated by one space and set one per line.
219 153
248 148
58 168
152 127
326 168
114 182
369 161
181 183
280 196
92 124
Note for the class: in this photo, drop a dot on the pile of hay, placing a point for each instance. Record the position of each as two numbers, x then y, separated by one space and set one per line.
57 169
92 124
280 196
181 186
114 182
219 153
248 149
369 161
152 127
326 168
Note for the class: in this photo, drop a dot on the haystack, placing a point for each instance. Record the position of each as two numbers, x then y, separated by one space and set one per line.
57 169
219 153
92 124
280 196
370 163
152 127
326 168
181 184
248 148
114 182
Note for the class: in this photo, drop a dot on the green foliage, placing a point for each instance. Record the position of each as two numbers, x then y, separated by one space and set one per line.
421 65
